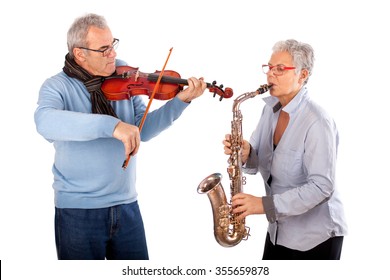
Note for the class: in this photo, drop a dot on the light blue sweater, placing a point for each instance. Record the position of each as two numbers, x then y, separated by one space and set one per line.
87 165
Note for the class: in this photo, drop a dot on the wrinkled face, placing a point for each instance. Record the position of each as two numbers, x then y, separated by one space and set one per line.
96 63
288 84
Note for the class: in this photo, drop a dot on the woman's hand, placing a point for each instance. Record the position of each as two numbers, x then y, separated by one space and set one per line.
245 148
246 204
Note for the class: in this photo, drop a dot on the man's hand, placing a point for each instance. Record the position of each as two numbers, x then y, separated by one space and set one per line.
130 137
195 88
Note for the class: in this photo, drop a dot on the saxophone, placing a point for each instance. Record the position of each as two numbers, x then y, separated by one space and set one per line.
228 230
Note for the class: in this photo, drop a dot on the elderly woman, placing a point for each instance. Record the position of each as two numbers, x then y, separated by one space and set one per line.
294 147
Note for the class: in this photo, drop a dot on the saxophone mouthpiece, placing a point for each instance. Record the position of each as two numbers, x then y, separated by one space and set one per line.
263 88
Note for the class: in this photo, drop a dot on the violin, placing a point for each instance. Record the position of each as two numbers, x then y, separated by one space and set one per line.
129 81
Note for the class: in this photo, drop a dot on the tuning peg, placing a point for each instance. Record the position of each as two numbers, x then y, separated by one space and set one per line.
213 84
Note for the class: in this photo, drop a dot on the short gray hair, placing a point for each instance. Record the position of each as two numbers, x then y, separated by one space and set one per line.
78 31
302 54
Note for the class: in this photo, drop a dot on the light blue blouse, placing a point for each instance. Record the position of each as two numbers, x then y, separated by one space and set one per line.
302 204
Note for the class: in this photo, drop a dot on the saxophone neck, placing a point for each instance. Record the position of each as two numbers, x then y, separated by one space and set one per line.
243 97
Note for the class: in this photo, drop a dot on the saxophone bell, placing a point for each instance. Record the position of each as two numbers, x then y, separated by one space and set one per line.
227 232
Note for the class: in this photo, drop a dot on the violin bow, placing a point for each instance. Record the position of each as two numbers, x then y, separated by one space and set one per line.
126 162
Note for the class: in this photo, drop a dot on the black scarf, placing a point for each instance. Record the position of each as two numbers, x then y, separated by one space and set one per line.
100 105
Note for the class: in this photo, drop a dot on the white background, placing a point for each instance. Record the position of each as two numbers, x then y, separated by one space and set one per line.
225 41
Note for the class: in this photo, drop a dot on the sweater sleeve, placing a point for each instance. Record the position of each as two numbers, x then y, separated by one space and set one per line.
60 117
159 119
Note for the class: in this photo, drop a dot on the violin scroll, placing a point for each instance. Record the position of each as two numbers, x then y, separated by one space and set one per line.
227 93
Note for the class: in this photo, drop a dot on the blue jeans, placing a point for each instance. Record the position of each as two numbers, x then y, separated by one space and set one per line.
114 233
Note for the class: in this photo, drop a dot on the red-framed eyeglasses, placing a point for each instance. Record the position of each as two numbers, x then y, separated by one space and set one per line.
277 70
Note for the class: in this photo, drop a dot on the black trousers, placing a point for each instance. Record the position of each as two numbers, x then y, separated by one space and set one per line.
327 250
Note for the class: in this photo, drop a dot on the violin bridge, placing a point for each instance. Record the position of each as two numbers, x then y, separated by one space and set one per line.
136 75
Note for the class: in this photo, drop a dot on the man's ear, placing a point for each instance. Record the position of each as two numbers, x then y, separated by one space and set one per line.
79 54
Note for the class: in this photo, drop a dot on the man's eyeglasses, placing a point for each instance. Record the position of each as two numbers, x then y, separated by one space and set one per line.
107 50
277 70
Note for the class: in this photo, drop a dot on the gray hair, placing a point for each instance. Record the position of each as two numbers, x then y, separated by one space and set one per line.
302 54
78 31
